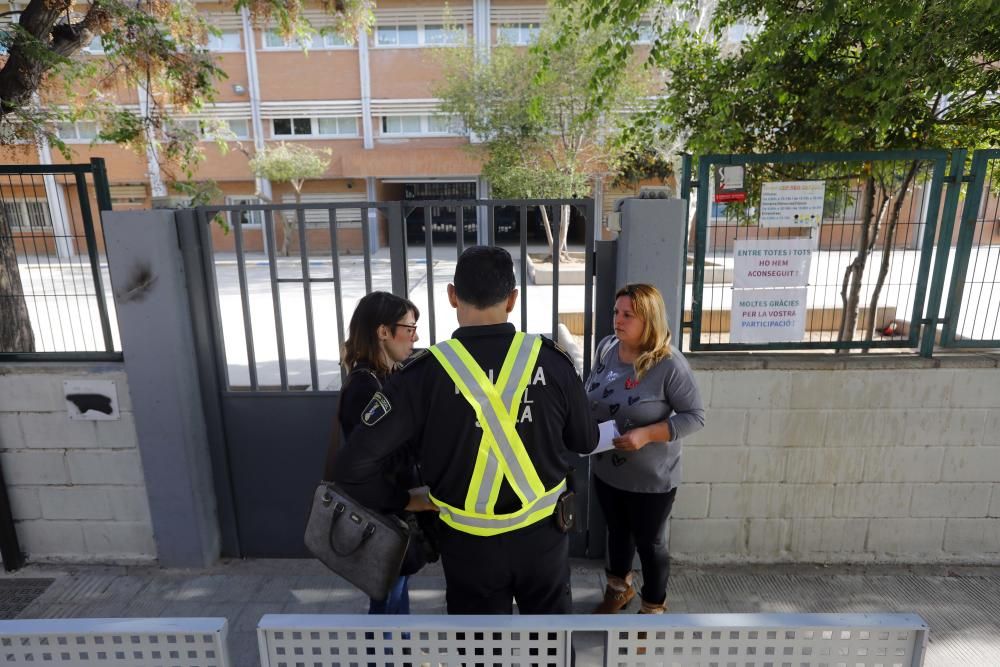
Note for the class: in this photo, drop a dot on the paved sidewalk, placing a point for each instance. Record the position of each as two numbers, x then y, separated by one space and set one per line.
961 604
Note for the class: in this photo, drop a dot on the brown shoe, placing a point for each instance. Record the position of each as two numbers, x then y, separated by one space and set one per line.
616 597
649 608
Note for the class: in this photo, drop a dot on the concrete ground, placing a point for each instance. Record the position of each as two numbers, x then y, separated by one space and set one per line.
960 604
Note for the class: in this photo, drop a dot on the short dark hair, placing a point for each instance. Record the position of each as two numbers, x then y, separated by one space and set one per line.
484 276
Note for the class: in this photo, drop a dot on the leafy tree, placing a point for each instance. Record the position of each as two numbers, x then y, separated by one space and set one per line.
156 46
529 111
290 163
823 75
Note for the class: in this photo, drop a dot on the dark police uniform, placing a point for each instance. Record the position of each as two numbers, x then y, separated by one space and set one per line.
489 563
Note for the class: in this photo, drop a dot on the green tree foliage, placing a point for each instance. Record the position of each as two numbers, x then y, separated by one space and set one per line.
153 46
528 110
823 75
294 164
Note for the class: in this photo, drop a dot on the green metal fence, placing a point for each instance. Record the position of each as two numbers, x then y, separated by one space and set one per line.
972 312
834 251
52 283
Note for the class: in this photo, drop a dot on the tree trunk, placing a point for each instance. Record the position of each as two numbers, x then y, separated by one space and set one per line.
288 221
564 232
890 237
15 324
548 229
850 292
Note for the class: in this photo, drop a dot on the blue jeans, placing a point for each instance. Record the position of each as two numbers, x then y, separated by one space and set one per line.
397 602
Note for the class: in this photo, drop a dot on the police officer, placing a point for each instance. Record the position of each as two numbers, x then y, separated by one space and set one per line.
493 415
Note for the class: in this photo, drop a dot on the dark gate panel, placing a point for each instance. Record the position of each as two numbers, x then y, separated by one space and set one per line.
277 448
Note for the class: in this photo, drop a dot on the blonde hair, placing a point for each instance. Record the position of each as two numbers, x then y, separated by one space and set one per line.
647 303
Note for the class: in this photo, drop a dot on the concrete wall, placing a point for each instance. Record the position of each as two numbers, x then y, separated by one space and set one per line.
76 487
816 458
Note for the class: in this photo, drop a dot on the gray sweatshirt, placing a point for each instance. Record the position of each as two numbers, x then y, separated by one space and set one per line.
667 392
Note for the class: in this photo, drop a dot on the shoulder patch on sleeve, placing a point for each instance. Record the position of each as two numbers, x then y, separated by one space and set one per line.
548 342
376 409
414 358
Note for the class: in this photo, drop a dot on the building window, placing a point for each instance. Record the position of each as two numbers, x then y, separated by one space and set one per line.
437 124
436 34
340 127
321 126
26 214
95 46
81 131
227 129
287 127
645 32
246 217
228 40
518 34
446 35
329 40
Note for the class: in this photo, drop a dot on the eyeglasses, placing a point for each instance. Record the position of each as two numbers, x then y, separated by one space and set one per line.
411 327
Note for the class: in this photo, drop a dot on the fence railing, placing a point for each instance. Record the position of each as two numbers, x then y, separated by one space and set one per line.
282 299
841 251
52 283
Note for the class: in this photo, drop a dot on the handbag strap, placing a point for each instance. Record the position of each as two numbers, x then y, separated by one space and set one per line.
369 530
337 436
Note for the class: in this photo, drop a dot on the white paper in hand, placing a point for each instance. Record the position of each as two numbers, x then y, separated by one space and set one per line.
609 431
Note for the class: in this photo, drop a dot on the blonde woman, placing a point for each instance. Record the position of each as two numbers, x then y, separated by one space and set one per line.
647 387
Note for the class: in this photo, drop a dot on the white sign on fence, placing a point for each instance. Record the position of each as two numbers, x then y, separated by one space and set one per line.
771 262
792 203
768 315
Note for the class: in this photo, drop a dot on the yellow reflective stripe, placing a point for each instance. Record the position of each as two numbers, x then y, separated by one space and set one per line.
483 497
491 502
487 525
478 472
502 420
487 389
516 444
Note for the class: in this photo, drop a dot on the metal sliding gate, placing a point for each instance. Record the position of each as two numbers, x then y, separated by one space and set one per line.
269 328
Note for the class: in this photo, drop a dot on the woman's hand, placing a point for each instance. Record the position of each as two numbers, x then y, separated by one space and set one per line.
632 441
420 500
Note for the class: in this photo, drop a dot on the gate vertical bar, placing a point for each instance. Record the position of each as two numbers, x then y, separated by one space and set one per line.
398 264
338 295
556 252
241 272
947 227
700 243
589 259
523 222
459 230
429 254
685 194
279 327
307 299
366 236
963 249
102 189
95 261
927 248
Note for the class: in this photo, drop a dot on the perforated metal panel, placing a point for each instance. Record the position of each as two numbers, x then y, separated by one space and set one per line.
115 642
744 647
380 641
671 640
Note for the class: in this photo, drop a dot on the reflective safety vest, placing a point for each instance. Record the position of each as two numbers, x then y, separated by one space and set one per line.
501 453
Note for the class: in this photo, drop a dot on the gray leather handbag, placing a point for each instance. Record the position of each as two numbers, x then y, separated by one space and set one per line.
364 547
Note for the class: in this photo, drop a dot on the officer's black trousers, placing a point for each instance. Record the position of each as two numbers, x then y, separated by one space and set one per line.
485 575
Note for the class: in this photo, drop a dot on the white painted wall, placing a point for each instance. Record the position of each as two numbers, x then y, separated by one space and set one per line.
821 459
76 487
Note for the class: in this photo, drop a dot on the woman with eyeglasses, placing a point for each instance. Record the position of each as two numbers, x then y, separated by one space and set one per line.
644 383
381 335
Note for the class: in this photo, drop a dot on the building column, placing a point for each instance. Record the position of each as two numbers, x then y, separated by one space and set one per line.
372 221
366 90
55 197
262 186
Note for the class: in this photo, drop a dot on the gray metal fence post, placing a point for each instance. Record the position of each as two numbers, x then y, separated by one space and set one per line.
397 250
